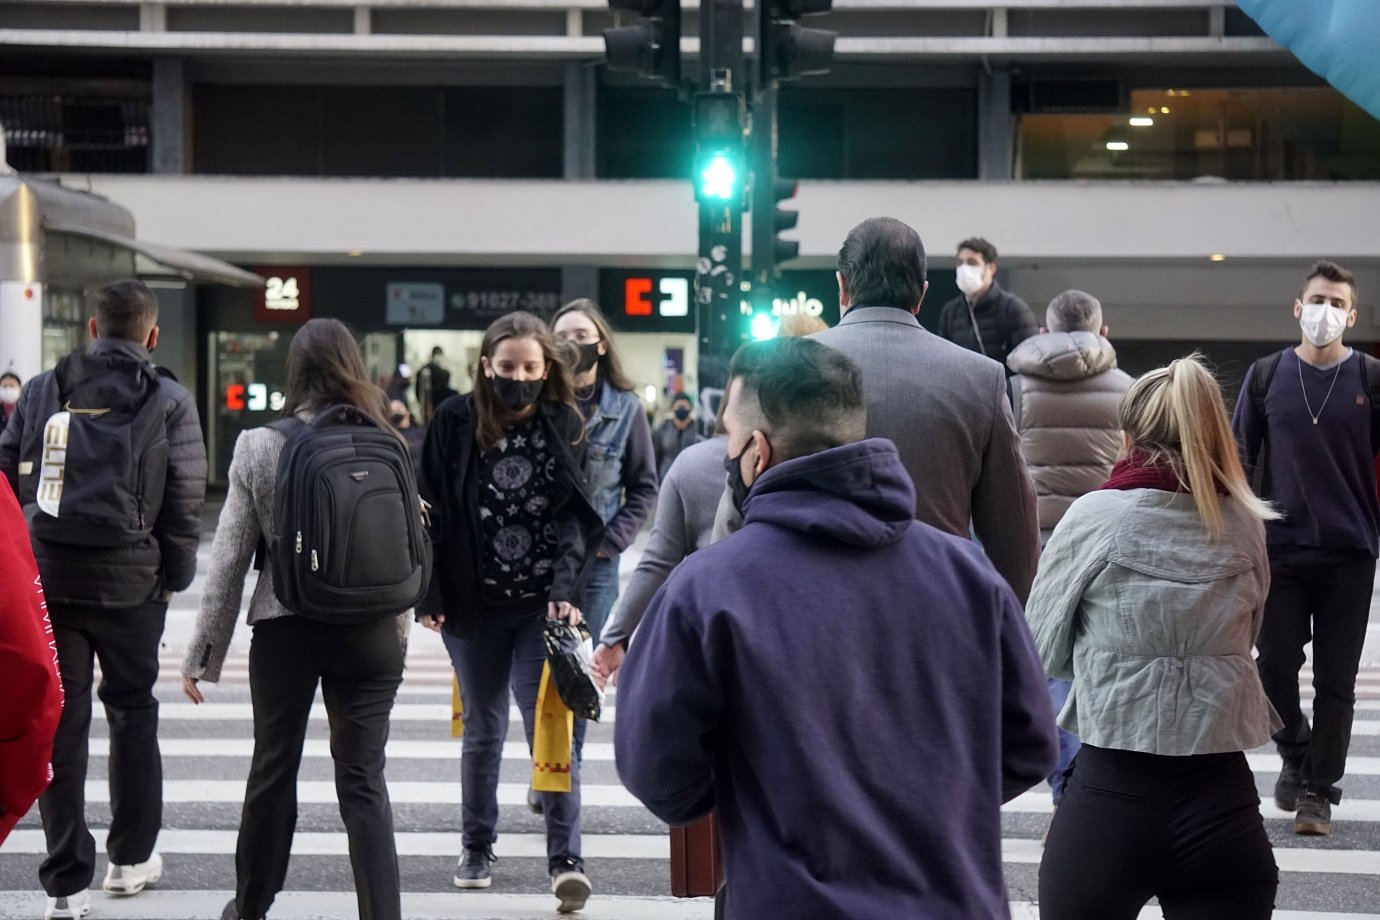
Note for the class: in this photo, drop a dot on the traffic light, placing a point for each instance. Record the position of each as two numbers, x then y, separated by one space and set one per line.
786 50
720 172
649 48
769 221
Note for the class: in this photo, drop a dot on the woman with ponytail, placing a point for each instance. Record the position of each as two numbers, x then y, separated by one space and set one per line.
1149 597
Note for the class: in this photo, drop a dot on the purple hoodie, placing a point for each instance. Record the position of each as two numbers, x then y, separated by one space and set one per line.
855 692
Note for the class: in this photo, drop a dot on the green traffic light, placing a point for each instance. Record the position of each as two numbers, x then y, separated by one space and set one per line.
763 327
719 178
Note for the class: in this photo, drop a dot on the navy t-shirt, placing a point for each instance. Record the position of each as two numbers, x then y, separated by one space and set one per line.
1321 476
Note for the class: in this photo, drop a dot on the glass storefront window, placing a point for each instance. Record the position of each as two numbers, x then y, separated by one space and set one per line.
247 375
1236 134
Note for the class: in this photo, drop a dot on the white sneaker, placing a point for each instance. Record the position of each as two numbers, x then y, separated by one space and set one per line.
72 907
130 880
572 887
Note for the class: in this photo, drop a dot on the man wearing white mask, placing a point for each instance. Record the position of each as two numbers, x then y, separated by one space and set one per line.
985 318
1306 423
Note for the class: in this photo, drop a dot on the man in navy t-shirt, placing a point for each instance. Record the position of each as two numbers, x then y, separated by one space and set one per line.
1312 445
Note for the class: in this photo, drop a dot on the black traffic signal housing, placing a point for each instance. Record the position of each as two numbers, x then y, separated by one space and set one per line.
721 170
650 47
787 50
769 221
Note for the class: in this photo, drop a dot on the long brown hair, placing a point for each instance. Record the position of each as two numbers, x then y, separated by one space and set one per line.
326 367
610 368
492 416
1175 415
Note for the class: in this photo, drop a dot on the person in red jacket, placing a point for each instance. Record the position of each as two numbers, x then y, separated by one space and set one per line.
28 662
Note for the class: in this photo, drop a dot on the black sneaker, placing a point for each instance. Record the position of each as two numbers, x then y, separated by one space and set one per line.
570 884
1313 814
473 869
1287 787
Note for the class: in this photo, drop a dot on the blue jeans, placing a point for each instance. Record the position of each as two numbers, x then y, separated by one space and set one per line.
1068 743
599 593
507 650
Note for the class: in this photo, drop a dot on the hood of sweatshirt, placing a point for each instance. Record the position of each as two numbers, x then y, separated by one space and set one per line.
1063 356
858 494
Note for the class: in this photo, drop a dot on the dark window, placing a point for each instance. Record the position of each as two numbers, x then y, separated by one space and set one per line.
493 132
643 134
878 134
64 133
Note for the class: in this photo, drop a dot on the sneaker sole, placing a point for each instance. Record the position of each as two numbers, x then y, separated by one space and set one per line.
471 883
121 890
67 914
573 895
1312 828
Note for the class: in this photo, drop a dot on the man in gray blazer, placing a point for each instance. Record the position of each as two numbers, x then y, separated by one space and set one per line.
945 407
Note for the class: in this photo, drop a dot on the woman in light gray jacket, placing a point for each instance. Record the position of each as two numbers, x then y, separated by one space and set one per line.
1149 597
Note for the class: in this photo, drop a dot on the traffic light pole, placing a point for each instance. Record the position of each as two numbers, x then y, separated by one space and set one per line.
719 266
764 134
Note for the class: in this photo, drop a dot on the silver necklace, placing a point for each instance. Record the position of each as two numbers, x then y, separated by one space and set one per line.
1304 389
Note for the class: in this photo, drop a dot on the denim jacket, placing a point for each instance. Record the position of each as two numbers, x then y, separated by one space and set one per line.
620 467
1154 623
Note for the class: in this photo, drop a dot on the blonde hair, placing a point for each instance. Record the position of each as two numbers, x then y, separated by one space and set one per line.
1175 416
798 324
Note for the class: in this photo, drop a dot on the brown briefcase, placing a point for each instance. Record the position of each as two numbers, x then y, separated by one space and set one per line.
697 869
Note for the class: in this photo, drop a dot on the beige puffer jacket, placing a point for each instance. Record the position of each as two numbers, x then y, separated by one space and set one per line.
1065 396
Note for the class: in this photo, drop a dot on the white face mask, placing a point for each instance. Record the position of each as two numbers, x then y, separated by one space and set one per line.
971 279
9 395
1323 324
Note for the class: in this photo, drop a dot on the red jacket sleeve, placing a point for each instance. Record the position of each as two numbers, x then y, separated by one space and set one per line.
28 661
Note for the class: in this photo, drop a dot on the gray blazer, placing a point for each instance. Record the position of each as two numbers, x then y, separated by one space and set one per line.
946 409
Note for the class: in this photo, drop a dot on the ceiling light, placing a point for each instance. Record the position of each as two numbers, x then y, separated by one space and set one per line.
1217 257
1118 145
1164 110
355 253
1142 121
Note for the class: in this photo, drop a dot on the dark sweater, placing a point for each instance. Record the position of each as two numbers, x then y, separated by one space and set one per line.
1003 320
1322 477
854 691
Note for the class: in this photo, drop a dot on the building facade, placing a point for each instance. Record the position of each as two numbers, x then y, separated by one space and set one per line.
418 166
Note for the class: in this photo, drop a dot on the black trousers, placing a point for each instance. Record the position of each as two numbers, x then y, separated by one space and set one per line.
359 669
1134 826
125 641
1323 596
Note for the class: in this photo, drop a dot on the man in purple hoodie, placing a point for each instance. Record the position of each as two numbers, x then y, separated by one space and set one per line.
855 692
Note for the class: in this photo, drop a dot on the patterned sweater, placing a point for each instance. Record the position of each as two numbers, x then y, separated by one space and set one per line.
247 515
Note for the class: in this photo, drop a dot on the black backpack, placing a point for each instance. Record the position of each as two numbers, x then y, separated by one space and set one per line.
103 455
349 543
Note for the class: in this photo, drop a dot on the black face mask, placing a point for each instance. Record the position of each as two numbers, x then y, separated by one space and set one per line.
397 419
734 467
517 394
589 356
681 413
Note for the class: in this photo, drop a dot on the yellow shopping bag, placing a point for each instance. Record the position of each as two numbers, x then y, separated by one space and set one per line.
457 709
552 738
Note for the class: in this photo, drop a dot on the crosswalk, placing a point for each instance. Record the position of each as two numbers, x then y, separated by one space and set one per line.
206 751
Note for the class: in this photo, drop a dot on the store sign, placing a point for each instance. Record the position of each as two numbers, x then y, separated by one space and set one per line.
253 397
648 301
285 296
412 303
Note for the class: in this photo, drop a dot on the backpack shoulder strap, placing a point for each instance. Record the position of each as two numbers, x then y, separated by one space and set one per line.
286 426
1370 379
1261 375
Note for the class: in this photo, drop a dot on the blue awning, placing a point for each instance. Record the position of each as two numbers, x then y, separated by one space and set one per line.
1337 39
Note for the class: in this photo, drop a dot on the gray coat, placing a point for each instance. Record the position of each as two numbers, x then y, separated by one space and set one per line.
1065 396
1154 623
946 410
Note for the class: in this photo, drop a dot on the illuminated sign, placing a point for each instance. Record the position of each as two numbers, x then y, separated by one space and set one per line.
643 301
253 397
674 299
285 296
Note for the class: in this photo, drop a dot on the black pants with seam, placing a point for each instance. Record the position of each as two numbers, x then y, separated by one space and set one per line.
1322 596
1133 826
359 669
125 642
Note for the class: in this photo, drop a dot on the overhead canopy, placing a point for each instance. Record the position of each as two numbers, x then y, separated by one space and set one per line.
1333 38
155 259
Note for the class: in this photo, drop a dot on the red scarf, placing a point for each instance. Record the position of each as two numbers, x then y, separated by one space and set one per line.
1135 471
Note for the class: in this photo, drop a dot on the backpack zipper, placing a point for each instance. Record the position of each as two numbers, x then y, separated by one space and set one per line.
299 542
314 565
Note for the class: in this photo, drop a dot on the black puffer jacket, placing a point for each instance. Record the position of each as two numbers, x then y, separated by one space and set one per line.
133 574
1003 322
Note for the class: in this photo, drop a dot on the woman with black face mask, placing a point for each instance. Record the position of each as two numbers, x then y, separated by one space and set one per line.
514 533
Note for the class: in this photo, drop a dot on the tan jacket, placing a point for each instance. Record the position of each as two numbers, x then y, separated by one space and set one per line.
1065 396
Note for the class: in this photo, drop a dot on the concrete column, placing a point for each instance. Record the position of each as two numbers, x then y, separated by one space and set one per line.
581 101
580 281
171 117
996 126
